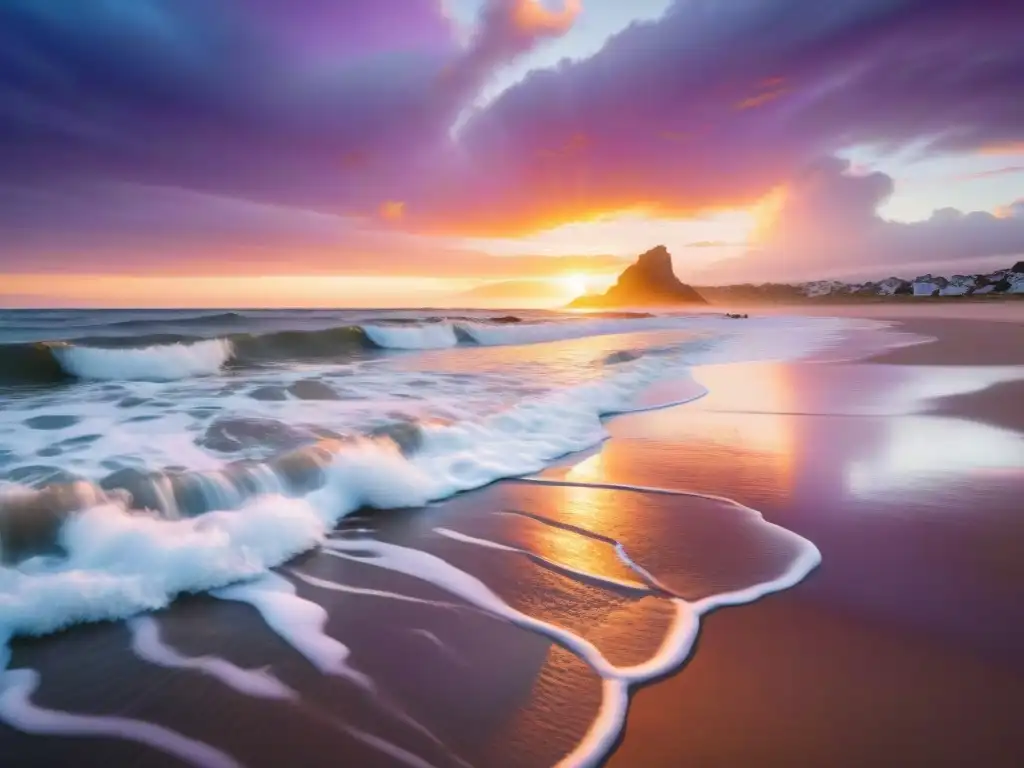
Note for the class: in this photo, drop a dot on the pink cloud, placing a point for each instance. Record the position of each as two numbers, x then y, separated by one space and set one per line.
828 226
658 106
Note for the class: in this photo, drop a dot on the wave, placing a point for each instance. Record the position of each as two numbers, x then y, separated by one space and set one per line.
159 363
93 551
168 357
85 552
165 357
431 336
30 364
201 319
489 335
331 343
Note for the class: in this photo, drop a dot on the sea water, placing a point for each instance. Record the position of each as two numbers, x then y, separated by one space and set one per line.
146 454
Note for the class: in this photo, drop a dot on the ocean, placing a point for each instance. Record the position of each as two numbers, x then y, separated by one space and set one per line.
149 454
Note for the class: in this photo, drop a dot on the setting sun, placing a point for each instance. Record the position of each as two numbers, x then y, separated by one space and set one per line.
575 284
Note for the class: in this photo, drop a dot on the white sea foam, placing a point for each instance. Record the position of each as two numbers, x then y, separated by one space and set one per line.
428 336
334 586
122 563
446 334
147 645
757 332
164 362
293 618
17 709
466 384
490 334
632 586
675 647
300 622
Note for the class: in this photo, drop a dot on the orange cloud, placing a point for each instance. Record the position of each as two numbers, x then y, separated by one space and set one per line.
766 212
505 30
1007 211
574 209
392 210
713 244
761 99
1004 148
531 17
1007 171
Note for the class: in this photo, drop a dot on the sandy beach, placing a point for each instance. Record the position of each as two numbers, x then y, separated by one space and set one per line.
906 471
903 648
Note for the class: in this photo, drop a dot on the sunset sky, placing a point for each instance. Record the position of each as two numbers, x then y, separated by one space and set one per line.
501 152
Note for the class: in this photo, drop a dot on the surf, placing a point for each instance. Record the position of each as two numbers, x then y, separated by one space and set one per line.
100 548
172 356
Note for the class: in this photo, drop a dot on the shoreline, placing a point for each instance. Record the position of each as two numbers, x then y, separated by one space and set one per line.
776 464
901 667
991 343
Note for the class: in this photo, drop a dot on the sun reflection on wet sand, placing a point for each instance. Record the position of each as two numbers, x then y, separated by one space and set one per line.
919 449
590 470
766 388
857 426
841 388
723 450
568 548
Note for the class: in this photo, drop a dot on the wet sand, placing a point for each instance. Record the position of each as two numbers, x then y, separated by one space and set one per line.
971 342
902 648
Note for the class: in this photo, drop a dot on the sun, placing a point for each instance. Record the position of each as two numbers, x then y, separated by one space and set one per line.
575 284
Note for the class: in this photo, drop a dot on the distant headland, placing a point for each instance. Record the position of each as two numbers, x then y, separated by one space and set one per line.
648 282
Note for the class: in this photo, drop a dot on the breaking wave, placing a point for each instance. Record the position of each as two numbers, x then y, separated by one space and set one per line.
167 357
90 552
159 363
243 482
432 336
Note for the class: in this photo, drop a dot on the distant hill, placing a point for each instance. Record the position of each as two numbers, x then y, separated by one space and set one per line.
1002 282
649 281
512 293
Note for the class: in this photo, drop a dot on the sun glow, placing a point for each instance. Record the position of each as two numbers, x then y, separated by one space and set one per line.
575 284
765 212
297 290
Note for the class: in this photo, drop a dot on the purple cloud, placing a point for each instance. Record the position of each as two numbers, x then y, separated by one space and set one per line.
716 103
340 108
166 230
1008 170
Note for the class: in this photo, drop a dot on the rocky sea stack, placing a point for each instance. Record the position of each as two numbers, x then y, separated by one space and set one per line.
647 282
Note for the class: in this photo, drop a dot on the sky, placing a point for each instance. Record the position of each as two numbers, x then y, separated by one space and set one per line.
498 152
